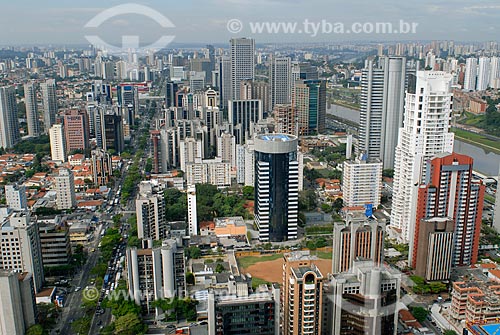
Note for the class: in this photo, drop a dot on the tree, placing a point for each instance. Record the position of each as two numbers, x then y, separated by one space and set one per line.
193 252
338 204
419 313
248 192
307 200
219 268
449 332
129 324
326 208
190 280
36 330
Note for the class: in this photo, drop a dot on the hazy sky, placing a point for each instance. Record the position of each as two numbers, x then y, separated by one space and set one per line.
57 21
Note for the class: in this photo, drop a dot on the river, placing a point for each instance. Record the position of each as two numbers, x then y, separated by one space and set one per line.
486 162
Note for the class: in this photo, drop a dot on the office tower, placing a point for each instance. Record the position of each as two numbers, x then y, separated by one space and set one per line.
226 148
31 109
433 255
102 168
196 81
364 300
21 250
9 124
428 108
242 63
303 71
495 72
302 294
172 89
17 302
112 131
150 211
240 312
449 193
49 99
101 91
190 149
224 80
65 189
483 74
242 114
285 120
246 90
470 74
309 101
128 100
260 91
381 112
280 80
57 143
76 130
156 140
359 237
156 273
276 187
192 211
55 245
362 182
496 214
203 66
15 196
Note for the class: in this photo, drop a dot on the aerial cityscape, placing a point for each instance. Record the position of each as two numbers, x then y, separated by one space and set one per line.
234 167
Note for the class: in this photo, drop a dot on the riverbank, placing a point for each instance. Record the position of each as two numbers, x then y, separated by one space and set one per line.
477 139
345 104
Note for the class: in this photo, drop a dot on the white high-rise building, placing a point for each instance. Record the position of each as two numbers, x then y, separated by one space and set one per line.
192 212
226 148
49 103
17 302
242 63
382 105
470 74
15 196
150 211
208 171
31 109
9 123
280 80
65 189
21 248
425 133
57 143
190 149
245 169
156 273
483 74
362 182
496 214
495 72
